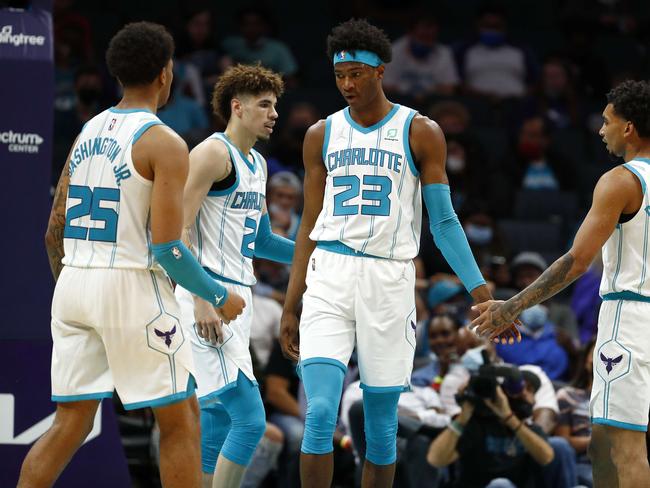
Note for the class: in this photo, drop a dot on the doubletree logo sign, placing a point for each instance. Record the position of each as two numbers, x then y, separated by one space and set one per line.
7 36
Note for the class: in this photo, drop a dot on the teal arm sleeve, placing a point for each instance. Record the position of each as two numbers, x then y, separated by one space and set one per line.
184 269
449 235
272 246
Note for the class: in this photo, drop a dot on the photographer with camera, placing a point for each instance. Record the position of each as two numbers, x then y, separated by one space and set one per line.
491 439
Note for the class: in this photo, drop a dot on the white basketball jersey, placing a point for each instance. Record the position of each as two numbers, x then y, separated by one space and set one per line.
372 200
108 207
625 254
225 229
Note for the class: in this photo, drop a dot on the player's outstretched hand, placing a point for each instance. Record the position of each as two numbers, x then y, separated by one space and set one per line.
509 336
232 308
208 323
289 336
496 322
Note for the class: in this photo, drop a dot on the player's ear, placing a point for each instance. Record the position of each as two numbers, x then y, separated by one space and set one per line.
236 107
165 73
380 71
629 127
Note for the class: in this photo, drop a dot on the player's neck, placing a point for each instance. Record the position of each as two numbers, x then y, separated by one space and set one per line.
373 112
641 150
240 138
139 98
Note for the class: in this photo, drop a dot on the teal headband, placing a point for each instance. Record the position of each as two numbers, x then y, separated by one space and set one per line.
357 56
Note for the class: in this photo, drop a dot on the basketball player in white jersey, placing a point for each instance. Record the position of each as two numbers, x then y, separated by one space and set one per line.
228 224
114 227
365 169
618 222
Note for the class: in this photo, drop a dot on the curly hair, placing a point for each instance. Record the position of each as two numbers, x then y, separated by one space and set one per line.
631 101
359 34
243 80
139 52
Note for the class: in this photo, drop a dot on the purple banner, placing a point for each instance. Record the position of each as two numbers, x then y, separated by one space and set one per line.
26 35
26 412
26 126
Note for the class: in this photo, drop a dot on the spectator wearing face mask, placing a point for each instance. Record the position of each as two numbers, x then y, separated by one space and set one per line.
538 346
88 91
537 166
466 156
482 233
483 236
526 267
421 65
491 65
561 473
493 440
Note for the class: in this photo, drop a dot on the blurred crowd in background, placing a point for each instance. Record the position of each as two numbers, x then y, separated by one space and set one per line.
517 87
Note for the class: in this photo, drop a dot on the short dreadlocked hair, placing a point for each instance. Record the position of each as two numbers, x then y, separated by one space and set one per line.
243 80
631 101
138 52
359 34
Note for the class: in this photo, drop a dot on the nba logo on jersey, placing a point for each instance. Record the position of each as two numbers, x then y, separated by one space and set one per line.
112 124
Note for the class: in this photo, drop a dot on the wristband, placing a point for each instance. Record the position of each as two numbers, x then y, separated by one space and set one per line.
507 417
184 269
521 422
272 246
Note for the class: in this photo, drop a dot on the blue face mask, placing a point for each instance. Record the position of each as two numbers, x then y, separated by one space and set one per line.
492 38
534 318
472 359
420 50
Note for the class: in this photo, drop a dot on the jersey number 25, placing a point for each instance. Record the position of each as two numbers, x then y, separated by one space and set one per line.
90 204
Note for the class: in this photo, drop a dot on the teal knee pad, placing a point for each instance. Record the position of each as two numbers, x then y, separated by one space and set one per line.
323 382
380 424
215 425
248 420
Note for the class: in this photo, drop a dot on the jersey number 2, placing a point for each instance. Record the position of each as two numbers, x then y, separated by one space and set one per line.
249 238
379 201
90 204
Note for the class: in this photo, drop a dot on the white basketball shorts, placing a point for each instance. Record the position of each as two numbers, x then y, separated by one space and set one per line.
620 395
118 329
217 365
363 301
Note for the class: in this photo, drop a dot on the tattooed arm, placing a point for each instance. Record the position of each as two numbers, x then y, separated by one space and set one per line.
56 224
617 192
